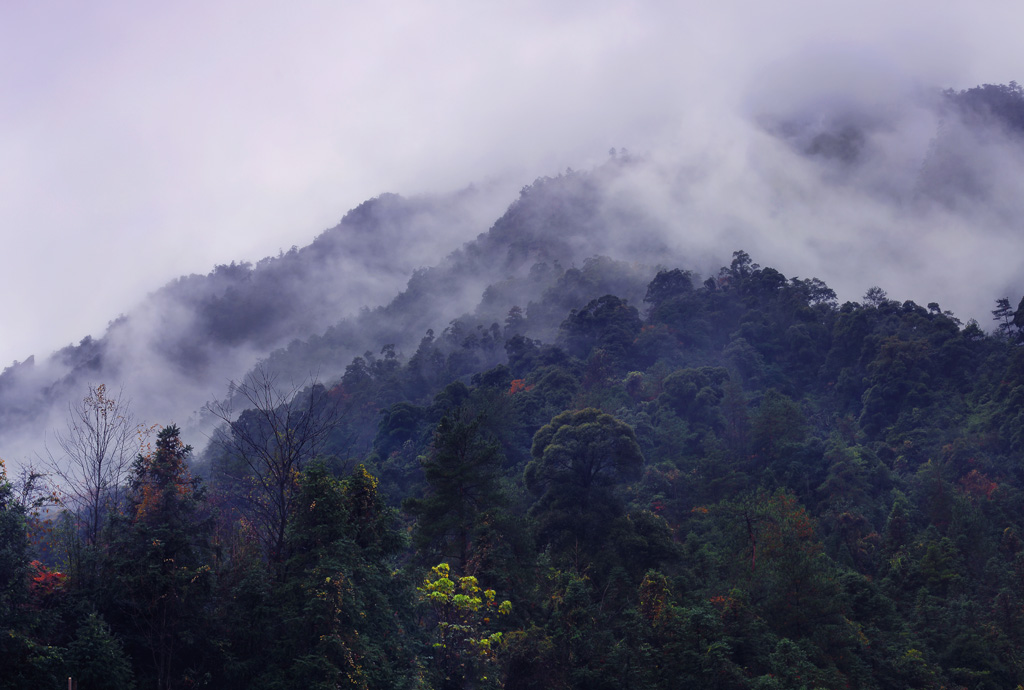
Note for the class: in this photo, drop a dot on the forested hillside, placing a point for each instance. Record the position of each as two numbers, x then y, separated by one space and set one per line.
892 196
181 345
735 482
553 460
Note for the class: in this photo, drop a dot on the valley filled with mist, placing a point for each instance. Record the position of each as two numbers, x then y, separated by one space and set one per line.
740 411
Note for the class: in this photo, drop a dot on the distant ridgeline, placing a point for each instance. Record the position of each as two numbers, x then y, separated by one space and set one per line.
535 467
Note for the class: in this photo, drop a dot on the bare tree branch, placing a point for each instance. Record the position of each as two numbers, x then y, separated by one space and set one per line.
95 453
280 431
31 490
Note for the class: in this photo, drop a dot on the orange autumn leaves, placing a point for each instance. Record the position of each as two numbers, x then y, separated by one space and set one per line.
518 386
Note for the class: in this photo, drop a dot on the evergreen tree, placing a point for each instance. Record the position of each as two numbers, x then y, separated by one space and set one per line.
96 659
344 614
461 469
578 460
159 573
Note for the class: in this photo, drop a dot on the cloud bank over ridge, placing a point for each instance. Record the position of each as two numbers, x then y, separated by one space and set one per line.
143 144
146 142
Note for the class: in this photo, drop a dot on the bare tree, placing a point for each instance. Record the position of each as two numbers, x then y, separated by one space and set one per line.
31 490
96 451
279 432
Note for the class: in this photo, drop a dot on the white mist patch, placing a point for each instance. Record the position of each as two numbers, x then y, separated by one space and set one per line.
885 184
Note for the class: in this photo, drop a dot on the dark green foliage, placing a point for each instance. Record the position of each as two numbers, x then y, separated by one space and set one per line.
27 660
608 323
583 450
668 285
342 616
682 646
339 604
750 487
776 428
13 551
694 395
96 659
158 577
578 460
461 470
398 425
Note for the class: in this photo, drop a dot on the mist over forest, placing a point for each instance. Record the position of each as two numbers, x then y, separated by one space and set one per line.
917 191
740 411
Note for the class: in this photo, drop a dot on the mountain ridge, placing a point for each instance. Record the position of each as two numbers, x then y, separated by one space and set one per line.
387 273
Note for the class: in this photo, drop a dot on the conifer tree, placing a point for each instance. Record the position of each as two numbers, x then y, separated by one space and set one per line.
159 573
461 470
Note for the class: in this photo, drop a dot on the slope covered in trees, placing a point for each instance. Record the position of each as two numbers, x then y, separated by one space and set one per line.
554 459
863 193
734 482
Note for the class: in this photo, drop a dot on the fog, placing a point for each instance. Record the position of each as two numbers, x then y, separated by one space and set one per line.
181 346
144 143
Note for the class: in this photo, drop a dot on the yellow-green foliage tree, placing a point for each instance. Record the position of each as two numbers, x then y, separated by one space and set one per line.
466 648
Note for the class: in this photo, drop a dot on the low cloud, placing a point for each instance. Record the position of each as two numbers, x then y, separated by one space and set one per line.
147 143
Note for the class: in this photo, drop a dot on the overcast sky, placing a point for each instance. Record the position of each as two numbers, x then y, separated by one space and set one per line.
140 141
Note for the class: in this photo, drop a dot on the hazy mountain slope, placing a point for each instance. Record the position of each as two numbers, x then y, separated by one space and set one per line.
547 240
902 192
183 343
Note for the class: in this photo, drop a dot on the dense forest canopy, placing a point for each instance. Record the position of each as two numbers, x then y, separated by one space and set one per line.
738 482
597 473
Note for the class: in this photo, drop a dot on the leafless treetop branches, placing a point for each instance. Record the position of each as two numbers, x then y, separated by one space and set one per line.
96 450
281 429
